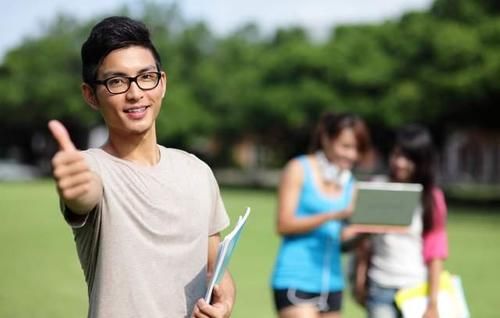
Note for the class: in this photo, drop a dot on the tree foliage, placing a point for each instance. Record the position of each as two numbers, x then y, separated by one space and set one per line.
439 67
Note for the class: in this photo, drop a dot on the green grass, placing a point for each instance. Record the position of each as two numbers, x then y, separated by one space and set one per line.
40 275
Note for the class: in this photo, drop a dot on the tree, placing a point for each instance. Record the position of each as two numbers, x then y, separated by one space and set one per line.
438 67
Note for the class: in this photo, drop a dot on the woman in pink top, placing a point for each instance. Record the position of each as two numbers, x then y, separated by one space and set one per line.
403 260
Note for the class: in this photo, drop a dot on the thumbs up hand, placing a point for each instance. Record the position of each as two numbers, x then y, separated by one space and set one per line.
61 135
74 179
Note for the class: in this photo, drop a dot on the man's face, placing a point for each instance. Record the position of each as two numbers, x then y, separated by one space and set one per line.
133 112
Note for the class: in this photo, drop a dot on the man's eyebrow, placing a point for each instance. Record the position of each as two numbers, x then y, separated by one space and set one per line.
148 69
112 74
117 73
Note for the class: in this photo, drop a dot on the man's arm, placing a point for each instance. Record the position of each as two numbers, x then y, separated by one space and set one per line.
223 295
79 187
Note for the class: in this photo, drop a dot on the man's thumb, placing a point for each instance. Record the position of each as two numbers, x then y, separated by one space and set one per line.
61 135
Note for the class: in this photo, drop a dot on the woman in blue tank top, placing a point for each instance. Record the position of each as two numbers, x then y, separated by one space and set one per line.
315 196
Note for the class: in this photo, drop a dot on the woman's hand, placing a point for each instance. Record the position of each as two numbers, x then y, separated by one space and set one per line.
341 215
360 294
431 312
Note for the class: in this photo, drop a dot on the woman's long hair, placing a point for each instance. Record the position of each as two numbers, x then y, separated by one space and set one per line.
415 142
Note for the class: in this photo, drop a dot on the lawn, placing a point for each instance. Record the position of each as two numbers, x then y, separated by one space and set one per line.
41 277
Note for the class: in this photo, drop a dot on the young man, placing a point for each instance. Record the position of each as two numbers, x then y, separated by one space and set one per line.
146 218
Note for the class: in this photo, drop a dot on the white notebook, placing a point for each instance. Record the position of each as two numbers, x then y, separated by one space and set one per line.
224 252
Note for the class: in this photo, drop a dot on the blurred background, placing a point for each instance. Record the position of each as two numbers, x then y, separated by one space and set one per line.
247 80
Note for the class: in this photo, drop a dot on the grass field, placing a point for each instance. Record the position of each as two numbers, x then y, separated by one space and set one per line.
40 275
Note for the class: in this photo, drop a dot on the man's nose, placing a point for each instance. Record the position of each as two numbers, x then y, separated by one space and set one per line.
134 91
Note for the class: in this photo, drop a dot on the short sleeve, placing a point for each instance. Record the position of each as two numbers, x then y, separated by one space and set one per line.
219 219
436 240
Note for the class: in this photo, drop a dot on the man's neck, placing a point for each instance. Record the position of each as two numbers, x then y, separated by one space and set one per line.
141 149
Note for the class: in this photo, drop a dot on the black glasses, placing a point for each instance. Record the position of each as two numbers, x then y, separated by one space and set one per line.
121 84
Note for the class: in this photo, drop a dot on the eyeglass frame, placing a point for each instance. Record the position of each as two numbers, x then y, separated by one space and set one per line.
130 79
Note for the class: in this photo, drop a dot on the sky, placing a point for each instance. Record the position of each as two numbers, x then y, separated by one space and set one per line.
25 18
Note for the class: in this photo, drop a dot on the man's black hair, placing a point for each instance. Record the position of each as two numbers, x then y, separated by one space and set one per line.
110 34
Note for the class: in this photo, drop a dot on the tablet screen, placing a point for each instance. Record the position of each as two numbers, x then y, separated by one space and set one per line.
386 203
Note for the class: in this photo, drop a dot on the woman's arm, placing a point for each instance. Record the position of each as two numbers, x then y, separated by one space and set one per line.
434 271
289 192
362 254
435 251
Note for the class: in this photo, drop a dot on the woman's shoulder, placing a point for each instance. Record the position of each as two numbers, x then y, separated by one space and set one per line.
298 161
302 158
296 167
440 208
437 193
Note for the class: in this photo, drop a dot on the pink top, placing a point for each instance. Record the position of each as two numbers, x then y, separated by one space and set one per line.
436 240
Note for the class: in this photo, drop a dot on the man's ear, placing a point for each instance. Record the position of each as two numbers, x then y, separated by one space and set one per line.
165 83
89 96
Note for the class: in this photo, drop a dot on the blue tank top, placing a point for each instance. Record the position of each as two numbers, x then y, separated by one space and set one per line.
312 261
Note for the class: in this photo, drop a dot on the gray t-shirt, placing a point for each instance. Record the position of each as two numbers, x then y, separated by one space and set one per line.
144 248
